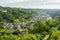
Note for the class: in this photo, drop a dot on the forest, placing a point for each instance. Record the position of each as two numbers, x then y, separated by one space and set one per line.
18 24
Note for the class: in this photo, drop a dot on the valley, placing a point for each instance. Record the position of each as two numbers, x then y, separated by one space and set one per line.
29 24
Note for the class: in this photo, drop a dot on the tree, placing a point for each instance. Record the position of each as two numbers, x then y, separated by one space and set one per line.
39 27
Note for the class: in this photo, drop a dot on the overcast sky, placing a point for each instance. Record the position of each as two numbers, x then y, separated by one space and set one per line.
45 4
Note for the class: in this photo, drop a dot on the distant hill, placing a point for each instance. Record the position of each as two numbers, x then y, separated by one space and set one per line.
52 12
8 14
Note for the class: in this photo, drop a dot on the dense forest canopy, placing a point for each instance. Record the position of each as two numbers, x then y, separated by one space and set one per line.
20 26
11 14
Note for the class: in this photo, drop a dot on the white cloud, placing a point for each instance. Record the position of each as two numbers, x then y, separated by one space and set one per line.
12 1
31 3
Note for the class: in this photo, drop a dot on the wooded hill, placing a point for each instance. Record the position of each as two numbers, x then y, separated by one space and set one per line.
15 14
48 29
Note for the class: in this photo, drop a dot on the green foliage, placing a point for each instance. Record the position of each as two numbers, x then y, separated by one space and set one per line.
39 27
38 31
1 24
15 14
55 34
5 32
9 37
31 37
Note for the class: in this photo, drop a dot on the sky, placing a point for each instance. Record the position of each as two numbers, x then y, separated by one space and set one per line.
40 4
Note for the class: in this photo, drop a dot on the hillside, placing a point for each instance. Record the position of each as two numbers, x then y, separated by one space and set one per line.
29 24
15 14
52 12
